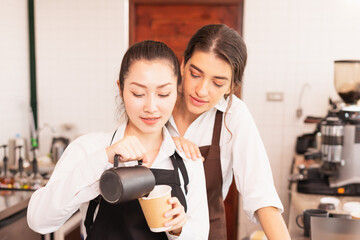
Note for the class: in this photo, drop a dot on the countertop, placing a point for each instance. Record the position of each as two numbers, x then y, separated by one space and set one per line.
301 201
13 201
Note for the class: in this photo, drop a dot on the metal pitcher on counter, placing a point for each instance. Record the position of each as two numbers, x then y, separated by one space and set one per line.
58 146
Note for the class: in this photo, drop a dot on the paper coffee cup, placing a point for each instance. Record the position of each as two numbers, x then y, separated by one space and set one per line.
154 207
355 215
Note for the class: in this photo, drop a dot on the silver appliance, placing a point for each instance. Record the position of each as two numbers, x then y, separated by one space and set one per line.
347 128
58 147
339 173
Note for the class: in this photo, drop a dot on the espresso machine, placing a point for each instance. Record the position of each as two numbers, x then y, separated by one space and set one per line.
339 172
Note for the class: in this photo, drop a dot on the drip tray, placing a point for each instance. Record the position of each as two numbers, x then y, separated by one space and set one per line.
321 186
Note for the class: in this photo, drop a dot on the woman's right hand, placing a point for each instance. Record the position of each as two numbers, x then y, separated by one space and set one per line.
190 149
129 148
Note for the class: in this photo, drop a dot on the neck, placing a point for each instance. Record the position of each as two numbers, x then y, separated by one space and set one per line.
183 118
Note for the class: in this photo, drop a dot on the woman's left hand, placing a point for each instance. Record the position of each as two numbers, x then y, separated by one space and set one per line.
190 149
177 213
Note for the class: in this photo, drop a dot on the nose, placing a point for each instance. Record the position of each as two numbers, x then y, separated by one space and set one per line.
201 88
150 105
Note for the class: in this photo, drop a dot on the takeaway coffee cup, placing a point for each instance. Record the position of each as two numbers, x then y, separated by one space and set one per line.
306 216
154 207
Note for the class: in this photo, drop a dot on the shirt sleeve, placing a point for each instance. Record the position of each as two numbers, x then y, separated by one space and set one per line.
251 166
197 215
73 182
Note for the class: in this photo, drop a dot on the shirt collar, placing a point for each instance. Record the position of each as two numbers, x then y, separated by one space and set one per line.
168 145
222 105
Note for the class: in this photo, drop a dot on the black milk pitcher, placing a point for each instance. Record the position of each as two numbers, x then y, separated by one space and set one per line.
121 184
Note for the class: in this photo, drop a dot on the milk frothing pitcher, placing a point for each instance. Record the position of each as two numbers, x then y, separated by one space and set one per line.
121 184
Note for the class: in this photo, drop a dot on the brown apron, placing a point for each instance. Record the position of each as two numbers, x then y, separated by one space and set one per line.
214 181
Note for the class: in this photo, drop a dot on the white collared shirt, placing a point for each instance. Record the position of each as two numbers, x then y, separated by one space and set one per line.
242 154
75 181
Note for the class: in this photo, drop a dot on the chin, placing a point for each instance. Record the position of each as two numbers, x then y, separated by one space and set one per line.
152 129
196 110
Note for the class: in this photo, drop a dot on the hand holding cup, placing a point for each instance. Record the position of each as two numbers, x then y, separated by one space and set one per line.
177 213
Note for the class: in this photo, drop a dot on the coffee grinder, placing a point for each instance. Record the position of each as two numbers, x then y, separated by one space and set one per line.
339 173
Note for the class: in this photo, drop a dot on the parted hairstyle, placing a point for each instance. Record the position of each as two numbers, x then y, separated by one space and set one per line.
226 44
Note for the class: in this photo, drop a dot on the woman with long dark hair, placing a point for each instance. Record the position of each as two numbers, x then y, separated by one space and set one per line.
209 114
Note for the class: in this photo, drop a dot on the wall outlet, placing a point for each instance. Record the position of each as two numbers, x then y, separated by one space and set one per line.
275 96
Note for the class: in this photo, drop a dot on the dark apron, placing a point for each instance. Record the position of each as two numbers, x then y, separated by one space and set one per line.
214 182
126 220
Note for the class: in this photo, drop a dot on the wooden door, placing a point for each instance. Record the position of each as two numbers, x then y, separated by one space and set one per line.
174 22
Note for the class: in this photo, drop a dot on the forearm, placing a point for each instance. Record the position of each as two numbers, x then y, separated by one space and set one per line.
272 223
73 182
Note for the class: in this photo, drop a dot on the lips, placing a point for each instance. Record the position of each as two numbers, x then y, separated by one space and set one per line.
150 120
197 102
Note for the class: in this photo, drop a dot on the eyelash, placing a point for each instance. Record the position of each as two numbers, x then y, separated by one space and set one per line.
196 76
217 85
137 95
160 95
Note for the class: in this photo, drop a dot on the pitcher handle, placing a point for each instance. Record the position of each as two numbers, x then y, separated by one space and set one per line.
117 159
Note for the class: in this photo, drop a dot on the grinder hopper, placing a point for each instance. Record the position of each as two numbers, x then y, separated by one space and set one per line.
347 80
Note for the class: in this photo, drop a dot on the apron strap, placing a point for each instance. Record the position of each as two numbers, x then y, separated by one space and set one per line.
89 219
217 128
112 139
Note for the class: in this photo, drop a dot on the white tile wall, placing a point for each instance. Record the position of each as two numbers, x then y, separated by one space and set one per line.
14 70
291 43
80 45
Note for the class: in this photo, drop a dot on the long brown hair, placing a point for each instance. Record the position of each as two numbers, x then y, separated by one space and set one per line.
227 45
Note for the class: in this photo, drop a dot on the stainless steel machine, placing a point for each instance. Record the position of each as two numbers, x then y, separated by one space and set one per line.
339 173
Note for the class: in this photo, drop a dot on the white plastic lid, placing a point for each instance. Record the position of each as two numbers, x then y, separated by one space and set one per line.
332 200
351 207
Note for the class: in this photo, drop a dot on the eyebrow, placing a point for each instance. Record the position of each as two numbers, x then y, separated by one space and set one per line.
143 86
201 71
